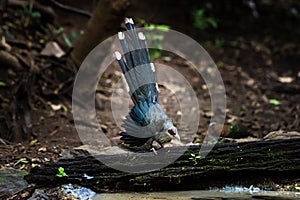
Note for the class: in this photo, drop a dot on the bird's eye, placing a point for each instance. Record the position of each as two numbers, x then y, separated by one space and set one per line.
171 132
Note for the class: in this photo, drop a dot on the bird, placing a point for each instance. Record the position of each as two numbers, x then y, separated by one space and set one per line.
147 121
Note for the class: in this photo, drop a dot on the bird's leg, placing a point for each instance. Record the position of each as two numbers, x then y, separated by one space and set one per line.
161 145
154 151
149 143
145 147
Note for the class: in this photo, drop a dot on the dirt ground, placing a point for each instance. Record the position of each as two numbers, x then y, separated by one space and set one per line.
258 60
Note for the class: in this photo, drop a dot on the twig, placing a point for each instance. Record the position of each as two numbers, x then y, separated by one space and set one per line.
10 60
22 43
72 9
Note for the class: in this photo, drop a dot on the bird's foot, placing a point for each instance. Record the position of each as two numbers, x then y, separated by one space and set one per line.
154 151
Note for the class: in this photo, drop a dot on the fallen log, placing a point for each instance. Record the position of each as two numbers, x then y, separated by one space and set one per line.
248 163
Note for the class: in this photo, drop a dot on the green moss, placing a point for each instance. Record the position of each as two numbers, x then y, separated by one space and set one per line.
275 154
2 180
215 161
139 178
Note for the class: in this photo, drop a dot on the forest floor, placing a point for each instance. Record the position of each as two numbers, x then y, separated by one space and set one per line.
259 66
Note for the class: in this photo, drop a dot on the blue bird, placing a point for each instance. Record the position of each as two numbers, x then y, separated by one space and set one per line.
147 121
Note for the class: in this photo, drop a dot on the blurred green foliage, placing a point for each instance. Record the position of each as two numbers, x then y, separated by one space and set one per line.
203 22
155 38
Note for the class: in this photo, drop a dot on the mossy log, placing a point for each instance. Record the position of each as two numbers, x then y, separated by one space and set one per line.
261 162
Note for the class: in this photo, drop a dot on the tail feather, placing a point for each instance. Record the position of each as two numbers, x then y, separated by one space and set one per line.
129 23
133 40
139 72
144 49
125 50
150 66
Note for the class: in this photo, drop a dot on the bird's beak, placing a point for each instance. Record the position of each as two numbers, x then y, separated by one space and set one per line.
177 137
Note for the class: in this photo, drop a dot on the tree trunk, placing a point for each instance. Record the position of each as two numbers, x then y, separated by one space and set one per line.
104 23
263 162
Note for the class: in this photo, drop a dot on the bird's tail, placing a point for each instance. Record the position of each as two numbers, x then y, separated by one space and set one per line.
139 72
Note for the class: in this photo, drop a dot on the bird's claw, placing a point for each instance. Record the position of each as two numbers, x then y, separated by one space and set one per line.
154 151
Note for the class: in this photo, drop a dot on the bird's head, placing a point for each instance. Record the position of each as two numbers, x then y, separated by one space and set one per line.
168 133
173 133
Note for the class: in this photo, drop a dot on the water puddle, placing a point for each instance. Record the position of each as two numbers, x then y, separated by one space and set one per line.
200 195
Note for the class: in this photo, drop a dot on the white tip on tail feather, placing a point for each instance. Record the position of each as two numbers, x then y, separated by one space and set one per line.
128 20
121 36
141 36
152 67
118 55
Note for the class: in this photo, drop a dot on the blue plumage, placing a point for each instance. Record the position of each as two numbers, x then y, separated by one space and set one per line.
139 113
146 121
139 72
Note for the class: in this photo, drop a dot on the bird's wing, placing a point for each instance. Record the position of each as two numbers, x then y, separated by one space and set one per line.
133 141
138 71
135 130
144 120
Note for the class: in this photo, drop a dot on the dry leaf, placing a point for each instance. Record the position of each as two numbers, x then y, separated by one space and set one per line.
285 79
52 49
56 107
42 149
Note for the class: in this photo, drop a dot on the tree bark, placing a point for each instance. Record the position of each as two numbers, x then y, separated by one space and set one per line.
263 162
104 23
